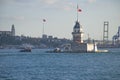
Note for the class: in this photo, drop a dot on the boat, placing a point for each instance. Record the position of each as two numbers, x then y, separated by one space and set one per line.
56 50
26 50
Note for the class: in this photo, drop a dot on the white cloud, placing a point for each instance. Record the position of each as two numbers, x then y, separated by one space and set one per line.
49 1
12 17
18 17
63 5
91 1
67 8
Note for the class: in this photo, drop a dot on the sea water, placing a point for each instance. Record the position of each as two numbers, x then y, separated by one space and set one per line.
39 65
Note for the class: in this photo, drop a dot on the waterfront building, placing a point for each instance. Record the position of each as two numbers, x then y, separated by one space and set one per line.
13 30
8 33
44 36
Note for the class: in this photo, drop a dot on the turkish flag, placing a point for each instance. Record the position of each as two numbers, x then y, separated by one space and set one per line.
44 20
79 10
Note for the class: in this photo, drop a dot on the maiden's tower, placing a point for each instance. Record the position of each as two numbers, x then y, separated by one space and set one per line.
78 45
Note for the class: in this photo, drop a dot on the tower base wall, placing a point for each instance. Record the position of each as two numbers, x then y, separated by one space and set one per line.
82 47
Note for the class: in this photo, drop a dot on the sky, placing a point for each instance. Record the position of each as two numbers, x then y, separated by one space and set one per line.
60 15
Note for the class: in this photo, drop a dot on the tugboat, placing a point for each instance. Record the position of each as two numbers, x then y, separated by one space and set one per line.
26 50
56 50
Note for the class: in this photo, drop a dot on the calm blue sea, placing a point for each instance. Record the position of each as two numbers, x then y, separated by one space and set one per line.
38 65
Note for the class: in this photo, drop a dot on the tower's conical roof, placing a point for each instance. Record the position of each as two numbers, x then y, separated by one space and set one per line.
77 25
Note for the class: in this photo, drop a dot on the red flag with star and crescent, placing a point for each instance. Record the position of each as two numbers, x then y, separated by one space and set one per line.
78 9
44 20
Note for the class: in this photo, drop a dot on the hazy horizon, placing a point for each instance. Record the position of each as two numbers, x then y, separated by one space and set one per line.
28 15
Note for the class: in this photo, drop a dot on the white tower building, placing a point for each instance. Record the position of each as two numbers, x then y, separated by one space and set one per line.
77 33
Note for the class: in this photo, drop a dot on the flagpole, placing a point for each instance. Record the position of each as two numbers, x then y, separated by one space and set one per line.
77 12
43 27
